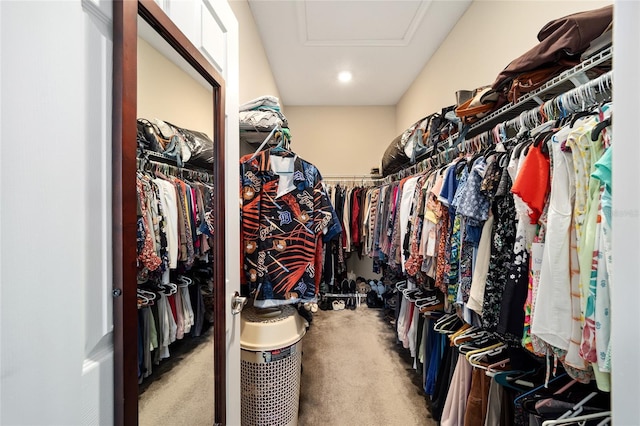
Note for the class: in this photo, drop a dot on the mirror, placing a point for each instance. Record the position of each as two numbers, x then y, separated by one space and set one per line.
168 223
176 383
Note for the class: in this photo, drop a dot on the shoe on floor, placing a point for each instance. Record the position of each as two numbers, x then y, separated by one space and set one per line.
352 304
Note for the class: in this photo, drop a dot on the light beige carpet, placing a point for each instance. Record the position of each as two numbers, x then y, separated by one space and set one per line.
353 374
182 395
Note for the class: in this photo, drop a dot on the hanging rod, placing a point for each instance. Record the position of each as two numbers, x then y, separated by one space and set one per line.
593 92
176 171
574 77
577 99
345 177
154 156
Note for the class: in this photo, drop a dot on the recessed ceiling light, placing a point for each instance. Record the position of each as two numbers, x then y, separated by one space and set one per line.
345 76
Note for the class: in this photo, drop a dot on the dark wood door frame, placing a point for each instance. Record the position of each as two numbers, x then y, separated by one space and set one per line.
124 115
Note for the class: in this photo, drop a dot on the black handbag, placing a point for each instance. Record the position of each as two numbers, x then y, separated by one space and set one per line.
150 137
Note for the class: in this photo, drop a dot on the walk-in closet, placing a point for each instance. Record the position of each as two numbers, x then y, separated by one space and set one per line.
469 282
304 212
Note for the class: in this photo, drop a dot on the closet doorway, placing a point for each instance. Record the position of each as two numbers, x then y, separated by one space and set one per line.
159 73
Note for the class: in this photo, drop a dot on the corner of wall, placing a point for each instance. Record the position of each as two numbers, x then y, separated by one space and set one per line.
256 77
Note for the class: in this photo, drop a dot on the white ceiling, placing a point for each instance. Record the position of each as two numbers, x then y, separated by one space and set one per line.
384 43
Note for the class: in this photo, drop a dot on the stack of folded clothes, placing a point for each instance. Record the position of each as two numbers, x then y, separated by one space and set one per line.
258 117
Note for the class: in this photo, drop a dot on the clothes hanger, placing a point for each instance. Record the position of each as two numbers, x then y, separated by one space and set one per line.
283 136
429 305
445 318
497 366
581 420
595 133
506 379
168 289
579 407
415 294
543 386
149 294
581 114
532 405
483 149
479 343
184 281
264 142
401 285
469 334
482 357
464 329
145 298
455 333
448 324
142 301
604 422
491 350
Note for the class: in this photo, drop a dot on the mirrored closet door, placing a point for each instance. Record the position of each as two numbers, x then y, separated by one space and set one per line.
168 224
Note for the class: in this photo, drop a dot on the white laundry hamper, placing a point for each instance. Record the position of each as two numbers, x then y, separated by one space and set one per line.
271 362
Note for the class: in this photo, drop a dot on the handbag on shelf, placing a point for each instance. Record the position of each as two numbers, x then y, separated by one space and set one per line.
151 137
146 135
483 101
463 96
415 146
529 81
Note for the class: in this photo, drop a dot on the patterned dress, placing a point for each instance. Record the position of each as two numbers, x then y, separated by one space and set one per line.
504 211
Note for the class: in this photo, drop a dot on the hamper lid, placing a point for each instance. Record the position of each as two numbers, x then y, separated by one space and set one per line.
270 328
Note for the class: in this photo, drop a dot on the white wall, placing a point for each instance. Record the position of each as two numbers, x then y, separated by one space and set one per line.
55 248
489 35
